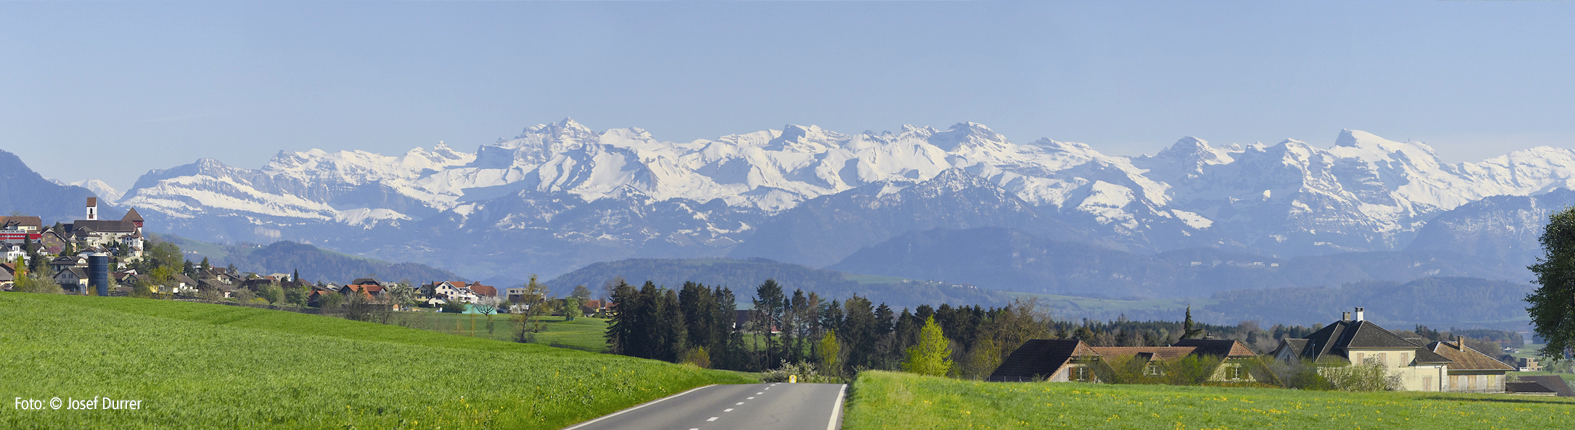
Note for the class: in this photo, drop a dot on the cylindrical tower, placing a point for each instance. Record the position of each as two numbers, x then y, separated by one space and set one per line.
98 273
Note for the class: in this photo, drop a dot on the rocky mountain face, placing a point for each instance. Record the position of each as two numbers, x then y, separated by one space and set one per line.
559 196
1499 228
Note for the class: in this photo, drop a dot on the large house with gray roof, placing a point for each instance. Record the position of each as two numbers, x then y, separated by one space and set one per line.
1419 368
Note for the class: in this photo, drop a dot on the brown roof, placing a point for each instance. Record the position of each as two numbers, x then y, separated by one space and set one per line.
1465 358
1218 347
1163 353
369 288
92 201
483 290
132 215
8 221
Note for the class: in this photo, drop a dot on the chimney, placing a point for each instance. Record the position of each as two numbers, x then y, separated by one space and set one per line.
1345 316
92 208
1460 342
1359 314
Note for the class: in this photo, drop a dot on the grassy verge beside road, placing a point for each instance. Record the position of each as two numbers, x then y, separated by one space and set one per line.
886 400
197 365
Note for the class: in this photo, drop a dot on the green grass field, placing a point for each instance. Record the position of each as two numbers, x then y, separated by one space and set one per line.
585 334
212 366
886 400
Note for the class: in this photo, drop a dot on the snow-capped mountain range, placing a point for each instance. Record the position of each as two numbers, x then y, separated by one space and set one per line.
561 195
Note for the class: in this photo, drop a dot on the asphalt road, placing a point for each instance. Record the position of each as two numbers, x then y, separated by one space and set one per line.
751 406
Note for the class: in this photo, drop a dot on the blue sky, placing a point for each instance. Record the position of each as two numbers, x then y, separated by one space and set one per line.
111 90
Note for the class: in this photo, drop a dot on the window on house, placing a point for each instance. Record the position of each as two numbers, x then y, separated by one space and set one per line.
1405 358
1427 383
1359 358
1079 373
1383 358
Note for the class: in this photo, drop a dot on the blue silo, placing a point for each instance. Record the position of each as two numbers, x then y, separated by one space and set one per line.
98 273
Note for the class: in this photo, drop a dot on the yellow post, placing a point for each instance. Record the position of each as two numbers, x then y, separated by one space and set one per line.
792 379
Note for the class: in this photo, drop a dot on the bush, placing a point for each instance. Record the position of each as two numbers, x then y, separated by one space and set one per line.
1188 370
805 372
37 284
453 307
1368 376
697 357
271 293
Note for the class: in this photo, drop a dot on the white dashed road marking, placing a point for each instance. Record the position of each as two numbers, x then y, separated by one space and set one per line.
710 419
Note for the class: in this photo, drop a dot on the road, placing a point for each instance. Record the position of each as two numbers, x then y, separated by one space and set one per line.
749 406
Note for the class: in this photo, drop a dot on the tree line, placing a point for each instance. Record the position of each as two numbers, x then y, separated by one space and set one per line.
699 324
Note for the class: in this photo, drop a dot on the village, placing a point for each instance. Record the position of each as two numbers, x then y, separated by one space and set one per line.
94 256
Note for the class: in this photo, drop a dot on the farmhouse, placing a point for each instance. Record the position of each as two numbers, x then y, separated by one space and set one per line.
1348 341
73 279
1073 361
1471 371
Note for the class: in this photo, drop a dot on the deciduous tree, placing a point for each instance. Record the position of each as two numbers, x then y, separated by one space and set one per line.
1552 305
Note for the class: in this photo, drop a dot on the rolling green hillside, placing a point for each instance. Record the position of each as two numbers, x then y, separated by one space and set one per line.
886 400
212 366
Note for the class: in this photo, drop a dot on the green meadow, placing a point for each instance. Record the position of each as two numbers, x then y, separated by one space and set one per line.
886 400
198 365
585 334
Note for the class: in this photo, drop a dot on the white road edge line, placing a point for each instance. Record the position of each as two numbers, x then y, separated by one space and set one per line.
614 414
836 410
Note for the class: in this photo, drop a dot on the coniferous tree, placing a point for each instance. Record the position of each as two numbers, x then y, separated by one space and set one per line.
669 326
858 331
932 355
622 331
768 309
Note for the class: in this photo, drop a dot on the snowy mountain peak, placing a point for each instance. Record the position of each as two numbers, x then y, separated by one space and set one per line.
810 139
99 188
968 135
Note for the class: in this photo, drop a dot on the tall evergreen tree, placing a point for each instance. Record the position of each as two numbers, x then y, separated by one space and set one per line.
858 331
768 307
670 328
621 325
698 305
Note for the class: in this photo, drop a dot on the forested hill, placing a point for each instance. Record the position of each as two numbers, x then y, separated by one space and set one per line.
315 264
1441 302
743 276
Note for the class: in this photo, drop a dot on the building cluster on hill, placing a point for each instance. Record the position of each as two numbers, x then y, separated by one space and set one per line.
1332 352
29 245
